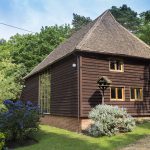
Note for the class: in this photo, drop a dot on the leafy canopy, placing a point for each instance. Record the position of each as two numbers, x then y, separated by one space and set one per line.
144 29
10 80
30 50
126 16
79 21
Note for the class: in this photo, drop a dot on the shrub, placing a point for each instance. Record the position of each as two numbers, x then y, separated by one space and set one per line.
109 120
2 140
19 120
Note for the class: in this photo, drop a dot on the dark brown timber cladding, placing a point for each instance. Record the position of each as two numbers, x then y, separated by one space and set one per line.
136 74
30 91
64 95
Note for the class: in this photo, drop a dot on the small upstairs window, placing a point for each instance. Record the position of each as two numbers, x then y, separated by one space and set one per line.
136 94
116 65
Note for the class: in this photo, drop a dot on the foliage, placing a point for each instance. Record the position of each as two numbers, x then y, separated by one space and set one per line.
127 17
10 80
2 41
144 33
144 29
19 121
145 16
109 120
22 53
2 140
79 21
49 137
30 50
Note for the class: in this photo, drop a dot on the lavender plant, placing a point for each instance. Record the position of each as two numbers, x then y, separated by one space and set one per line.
109 120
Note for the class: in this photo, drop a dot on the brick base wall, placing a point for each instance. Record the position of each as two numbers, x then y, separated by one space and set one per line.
85 123
72 124
68 123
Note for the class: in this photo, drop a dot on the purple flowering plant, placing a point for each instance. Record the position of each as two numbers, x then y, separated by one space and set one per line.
20 120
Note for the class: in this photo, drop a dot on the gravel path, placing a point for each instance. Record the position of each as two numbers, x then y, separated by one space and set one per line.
143 144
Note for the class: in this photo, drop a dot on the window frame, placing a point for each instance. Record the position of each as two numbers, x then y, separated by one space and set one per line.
116 91
115 70
135 88
41 101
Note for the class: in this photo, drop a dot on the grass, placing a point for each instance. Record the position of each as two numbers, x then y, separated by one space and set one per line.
51 138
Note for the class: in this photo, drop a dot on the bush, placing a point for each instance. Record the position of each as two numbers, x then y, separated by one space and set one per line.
109 120
2 140
18 120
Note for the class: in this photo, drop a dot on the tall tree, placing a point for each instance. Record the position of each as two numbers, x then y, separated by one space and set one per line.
145 16
30 50
144 29
79 21
2 41
21 53
10 80
127 17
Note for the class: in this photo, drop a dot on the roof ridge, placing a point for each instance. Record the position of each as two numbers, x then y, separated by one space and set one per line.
97 21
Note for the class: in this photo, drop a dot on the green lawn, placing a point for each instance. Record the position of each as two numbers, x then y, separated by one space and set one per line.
51 138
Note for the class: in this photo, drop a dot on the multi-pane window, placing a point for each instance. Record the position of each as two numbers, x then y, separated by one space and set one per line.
45 92
116 65
117 93
136 94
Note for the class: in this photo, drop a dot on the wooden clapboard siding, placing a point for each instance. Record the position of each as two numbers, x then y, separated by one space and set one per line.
64 92
30 91
136 73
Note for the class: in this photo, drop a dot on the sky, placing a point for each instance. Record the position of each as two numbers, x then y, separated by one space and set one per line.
33 14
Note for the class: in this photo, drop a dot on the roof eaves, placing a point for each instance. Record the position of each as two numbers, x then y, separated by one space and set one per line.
113 54
31 74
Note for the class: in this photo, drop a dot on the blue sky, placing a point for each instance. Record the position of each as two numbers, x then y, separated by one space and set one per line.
33 14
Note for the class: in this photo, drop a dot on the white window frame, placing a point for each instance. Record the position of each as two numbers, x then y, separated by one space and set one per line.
116 91
116 70
135 88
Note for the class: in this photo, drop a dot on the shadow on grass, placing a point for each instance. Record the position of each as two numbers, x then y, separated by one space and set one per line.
58 139
14 144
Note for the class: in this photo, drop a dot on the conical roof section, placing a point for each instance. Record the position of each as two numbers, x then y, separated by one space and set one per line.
103 35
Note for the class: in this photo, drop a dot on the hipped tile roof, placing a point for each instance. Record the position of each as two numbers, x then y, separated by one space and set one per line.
103 35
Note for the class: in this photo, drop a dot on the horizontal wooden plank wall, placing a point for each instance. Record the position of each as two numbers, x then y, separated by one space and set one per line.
136 73
64 95
30 91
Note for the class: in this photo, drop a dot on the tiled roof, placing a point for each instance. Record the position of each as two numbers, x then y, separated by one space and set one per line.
103 35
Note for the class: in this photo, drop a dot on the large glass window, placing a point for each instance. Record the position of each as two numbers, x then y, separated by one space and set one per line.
136 94
117 93
45 92
116 65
